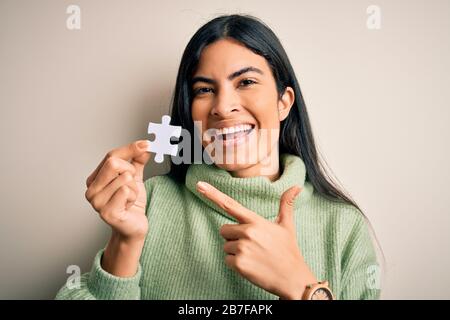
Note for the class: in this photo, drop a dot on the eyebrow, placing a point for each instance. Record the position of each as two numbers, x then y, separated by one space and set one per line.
230 77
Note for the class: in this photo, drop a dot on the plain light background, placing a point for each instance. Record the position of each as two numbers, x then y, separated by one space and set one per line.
378 102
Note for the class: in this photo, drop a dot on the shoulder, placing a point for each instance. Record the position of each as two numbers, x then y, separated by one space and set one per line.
162 191
162 186
164 182
343 219
348 229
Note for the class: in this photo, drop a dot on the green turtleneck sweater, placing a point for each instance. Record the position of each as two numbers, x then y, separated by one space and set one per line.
183 256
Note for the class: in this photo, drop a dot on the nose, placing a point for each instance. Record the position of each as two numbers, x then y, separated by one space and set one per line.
226 102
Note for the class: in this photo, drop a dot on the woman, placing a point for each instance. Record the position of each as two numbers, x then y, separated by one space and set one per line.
261 222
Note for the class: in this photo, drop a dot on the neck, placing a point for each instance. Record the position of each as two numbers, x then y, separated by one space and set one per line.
255 193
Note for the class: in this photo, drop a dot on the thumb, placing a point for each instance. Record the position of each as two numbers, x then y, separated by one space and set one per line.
286 213
140 161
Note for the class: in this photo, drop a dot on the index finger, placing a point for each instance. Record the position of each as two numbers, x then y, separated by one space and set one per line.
234 208
127 152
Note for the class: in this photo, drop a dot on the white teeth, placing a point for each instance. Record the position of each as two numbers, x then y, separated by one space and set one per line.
239 128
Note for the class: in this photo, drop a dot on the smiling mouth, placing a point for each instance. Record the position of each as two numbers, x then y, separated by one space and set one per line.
235 135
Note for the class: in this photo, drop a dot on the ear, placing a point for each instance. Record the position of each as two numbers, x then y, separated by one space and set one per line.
285 103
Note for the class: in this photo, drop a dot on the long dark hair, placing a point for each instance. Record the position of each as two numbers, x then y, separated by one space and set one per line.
295 132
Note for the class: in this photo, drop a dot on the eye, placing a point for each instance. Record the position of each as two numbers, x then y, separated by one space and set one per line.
201 90
247 82
204 90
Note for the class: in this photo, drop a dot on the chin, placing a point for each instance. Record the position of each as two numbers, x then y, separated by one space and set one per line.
233 166
237 162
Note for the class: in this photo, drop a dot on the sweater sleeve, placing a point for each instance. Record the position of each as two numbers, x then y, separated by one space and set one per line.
360 269
101 285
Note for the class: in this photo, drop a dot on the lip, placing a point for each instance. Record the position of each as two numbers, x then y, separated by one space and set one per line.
230 123
237 141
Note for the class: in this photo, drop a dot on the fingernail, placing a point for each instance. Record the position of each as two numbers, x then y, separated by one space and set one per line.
297 192
143 145
201 186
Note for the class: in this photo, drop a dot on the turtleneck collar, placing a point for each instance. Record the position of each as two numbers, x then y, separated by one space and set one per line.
258 194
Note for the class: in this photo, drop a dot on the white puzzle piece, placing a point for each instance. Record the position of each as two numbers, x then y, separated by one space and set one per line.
163 132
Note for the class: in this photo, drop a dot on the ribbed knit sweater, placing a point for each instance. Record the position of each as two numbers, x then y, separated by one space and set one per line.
183 256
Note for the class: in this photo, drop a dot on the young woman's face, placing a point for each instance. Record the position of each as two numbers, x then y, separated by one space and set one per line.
236 103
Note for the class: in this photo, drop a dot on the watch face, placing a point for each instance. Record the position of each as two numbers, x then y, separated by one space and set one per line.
322 294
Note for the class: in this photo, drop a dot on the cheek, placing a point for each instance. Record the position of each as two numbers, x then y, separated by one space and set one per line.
195 111
266 114
263 105
200 115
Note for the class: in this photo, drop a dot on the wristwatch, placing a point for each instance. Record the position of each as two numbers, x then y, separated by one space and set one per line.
318 291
